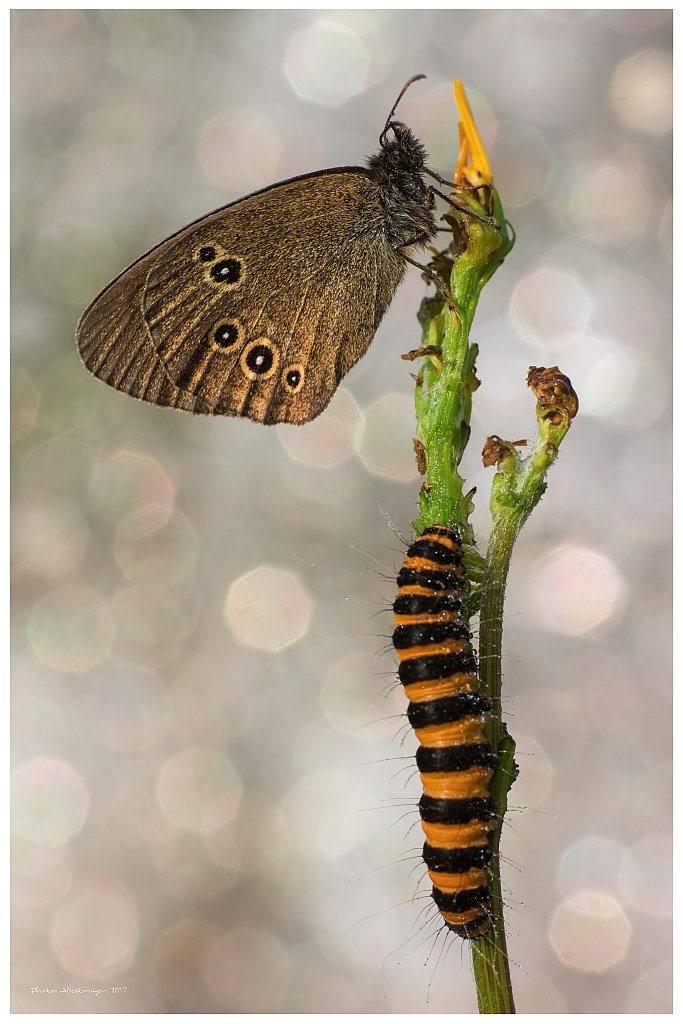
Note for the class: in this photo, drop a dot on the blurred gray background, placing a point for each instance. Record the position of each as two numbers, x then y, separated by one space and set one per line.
214 806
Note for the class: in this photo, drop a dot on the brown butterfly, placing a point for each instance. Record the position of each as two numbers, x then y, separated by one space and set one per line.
261 307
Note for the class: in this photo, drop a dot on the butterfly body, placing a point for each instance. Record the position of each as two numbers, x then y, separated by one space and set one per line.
261 307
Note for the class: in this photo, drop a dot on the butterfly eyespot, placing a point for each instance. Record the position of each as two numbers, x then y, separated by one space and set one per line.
226 335
294 377
227 271
259 359
206 254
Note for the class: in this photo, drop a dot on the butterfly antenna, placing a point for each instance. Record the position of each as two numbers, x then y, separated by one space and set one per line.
415 78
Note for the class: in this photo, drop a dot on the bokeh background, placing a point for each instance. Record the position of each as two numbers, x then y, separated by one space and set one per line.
214 808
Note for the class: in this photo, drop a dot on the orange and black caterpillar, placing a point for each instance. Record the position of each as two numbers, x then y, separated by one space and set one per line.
438 670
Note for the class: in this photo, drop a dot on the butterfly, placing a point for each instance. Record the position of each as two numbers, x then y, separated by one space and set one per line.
260 308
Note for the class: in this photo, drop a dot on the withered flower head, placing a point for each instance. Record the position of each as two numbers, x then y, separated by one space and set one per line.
554 393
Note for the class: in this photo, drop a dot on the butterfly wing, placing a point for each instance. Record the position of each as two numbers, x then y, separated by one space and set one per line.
258 309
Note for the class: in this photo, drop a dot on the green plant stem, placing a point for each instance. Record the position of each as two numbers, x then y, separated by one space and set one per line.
443 398
442 422
516 490
489 953
443 405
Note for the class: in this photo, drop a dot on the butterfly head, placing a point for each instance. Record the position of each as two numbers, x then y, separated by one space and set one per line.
401 151
398 169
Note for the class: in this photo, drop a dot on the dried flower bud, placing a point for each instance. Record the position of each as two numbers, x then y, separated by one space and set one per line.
554 393
495 449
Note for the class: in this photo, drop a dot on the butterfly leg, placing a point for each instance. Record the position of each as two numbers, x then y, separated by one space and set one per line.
429 273
449 181
461 186
489 222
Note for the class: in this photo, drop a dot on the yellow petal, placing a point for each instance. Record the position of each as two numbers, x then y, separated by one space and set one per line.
478 170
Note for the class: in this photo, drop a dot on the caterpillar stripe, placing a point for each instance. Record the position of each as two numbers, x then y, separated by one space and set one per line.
438 670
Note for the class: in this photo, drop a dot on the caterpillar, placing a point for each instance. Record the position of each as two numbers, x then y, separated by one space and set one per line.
438 670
